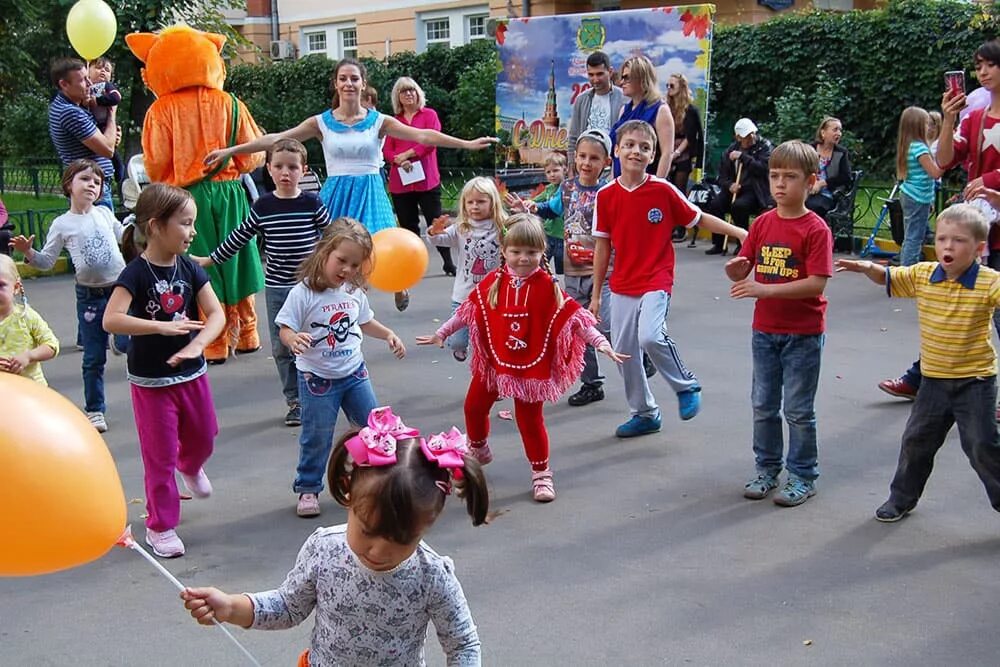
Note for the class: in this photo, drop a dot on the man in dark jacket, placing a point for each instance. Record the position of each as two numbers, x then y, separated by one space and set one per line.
748 194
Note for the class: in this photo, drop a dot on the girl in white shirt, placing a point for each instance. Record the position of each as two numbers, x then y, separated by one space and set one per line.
91 234
322 322
476 237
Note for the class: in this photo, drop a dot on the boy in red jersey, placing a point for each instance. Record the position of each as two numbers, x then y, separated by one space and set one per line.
635 215
790 251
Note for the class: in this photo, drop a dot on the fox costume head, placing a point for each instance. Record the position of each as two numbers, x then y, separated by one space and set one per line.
179 57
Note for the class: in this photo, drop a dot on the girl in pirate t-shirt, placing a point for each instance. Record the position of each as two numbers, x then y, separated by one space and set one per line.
321 323
156 301
528 340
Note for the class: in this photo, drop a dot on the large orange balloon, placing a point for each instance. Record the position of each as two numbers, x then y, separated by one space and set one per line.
400 260
61 500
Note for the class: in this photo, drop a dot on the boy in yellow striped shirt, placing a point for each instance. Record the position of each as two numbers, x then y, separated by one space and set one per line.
956 297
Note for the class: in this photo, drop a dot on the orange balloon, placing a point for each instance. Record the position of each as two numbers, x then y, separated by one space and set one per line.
61 500
400 260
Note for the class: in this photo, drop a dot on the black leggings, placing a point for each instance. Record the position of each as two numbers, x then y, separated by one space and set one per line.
410 205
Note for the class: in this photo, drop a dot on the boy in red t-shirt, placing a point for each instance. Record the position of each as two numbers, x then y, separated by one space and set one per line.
790 251
636 215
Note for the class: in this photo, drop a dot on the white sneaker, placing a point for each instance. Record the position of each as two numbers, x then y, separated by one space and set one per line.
198 484
165 544
97 421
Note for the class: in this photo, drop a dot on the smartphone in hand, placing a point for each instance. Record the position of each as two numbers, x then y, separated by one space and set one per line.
954 82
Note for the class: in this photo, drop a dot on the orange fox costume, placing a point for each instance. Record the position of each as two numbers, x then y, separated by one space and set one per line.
192 116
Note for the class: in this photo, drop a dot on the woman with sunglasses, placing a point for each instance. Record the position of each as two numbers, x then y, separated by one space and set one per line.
638 82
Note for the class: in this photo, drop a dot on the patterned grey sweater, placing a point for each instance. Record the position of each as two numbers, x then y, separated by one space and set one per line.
365 617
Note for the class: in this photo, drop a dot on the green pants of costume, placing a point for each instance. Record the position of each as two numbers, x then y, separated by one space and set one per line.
222 206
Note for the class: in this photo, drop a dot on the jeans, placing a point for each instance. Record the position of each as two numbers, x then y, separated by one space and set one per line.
105 198
785 364
460 339
915 216
321 400
90 305
940 403
554 251
283 357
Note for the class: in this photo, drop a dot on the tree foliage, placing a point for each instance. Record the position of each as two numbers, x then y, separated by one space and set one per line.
458 83
874 62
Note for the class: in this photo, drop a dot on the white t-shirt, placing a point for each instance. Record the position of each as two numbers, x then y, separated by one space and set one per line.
333 320
478 254
92 241
600 113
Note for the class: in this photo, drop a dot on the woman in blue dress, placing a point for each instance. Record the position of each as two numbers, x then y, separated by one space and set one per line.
638 81
351 136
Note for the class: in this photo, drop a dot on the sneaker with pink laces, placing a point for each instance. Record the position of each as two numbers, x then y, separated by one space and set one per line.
165 544
481 453
198 484
308 505
541 486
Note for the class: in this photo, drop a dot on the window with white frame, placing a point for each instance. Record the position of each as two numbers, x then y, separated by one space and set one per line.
315 42
476 27
438 31
349 43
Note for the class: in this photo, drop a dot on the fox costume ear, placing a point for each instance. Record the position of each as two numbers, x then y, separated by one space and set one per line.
217 39
140 43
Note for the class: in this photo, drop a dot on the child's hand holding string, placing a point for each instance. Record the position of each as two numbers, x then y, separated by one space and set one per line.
610 353
430 340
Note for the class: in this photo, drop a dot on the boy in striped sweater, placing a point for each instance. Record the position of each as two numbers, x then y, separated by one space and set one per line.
290 222
956 297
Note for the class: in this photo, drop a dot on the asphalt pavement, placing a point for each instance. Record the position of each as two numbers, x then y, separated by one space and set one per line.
649 555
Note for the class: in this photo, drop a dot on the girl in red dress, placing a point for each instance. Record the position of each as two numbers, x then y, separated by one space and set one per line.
527 340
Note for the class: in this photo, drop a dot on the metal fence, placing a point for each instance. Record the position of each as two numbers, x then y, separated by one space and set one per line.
40 179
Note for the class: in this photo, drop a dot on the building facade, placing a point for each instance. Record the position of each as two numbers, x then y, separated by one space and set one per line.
285 29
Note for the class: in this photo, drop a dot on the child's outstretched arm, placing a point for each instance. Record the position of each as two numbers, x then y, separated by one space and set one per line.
454 323
719 226
208 605
596 339
875 272
797 289
376 329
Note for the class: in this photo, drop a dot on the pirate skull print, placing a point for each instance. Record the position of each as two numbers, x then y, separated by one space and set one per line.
337 330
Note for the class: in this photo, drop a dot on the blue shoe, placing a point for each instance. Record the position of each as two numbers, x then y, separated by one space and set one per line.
638 425
689 403
795 492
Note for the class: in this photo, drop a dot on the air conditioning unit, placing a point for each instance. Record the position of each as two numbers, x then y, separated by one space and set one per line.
282 49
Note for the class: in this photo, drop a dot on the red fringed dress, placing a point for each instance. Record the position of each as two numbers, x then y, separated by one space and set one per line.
527 347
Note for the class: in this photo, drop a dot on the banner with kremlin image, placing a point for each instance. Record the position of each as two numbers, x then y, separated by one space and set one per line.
543 61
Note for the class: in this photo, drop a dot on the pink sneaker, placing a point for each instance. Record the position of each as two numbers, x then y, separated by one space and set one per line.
481 453
165 544
541 486
308 505
198 484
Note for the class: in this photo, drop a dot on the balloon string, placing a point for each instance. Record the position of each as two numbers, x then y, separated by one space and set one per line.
176 582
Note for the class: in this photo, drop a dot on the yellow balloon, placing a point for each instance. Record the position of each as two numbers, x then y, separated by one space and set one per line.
61 500
400 259
91 27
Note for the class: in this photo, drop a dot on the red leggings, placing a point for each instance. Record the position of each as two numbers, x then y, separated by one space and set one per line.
530 422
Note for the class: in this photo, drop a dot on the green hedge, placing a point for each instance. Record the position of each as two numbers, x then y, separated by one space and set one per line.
458 83
884 60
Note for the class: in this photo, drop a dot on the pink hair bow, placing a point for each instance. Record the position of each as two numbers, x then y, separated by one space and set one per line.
447 449
375 444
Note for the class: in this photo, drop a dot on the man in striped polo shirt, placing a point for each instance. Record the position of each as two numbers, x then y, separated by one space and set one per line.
956 297
72 128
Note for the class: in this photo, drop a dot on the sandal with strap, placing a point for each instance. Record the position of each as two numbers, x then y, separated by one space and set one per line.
541 486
